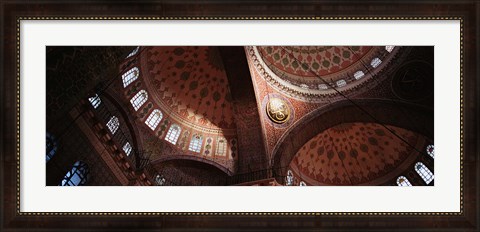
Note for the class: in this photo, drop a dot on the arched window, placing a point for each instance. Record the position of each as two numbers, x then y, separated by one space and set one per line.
424 172
431 150
134 52
51 146
358 75
195 143
130 76
95 101
341 83
127 148
375 62
77 176
389 48
289 178
113 124
154 119
322 86
160 180
304 86
139 98
173 134
221 147
403 181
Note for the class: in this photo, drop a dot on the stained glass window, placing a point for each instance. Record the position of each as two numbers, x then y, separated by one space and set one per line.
375 62
95 101
127 148
173 134
139 98
221 147
134 52
113 124
51 146
195 143
403 181
130 76
154 119
424 172
358 75
77 176
431 150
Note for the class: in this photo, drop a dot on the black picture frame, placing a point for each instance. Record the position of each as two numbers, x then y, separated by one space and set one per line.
14 220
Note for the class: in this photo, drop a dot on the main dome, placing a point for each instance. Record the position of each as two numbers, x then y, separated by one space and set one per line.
306 72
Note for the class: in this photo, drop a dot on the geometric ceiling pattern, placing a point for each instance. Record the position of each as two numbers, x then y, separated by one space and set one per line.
355 153
311 61
191 85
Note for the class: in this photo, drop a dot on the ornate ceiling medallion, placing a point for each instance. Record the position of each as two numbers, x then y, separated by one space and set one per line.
278 110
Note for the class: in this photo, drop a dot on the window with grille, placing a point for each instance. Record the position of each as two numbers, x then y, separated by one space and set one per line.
341 83
431 150
403 181
127 148
77 176
358 75
130 76
375 62
113 124
154 119
389 48
195 143
51 146
424 172
173 134
95 101
139 98
322 86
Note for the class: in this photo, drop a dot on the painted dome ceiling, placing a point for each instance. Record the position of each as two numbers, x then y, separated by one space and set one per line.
190 83
355 154
301 71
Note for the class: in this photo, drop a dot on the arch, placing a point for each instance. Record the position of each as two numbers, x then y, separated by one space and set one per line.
192 158
112 97
130 76
77 176
385 111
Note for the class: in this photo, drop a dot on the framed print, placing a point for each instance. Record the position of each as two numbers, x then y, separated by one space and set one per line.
252 116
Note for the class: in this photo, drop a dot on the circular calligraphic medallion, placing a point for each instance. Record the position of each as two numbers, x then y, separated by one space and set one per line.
278 110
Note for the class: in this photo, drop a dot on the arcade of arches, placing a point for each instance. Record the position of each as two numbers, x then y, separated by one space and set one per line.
269 115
